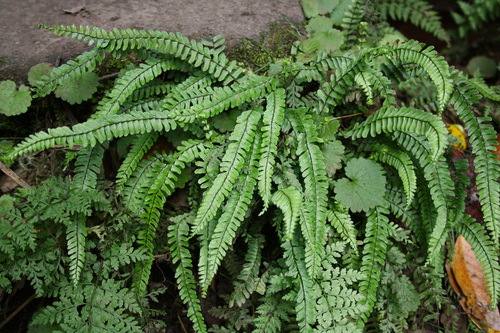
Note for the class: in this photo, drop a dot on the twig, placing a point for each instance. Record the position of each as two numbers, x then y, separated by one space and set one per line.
179 317
13 175
109 75
18 309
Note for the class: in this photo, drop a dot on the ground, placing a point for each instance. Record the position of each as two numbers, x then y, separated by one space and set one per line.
23 45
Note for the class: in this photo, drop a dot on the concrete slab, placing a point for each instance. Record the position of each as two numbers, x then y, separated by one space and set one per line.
22 45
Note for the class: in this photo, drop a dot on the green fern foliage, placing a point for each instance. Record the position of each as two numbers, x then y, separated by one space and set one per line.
282 183
184 275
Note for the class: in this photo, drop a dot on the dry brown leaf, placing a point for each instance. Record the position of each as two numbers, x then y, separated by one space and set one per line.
467 279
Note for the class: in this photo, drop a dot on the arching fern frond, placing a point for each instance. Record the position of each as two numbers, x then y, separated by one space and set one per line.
76 234
312 167
341 221
272 119
486 254
482 138
289 201
98 130
161 187
419 13
178 236
373 258
402 163
196 54
247 280
230 168
232 215
437 67
441 187
87 167
136 152
225 97
408 120
127 85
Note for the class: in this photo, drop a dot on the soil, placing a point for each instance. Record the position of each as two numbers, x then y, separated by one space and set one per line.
23 45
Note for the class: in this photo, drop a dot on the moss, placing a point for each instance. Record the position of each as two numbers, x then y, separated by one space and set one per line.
271 45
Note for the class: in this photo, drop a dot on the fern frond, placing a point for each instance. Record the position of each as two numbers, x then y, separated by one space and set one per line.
128 84
402 163
136 152
210 60
72 70
135 189
230 168
233 214
98 130
396 200
486 253
435 66
223 98
419 13
289 201
373 258
87 167
483 89
161 187
482 138
272 119
408 120
294 256
76 233
312 167
183 273
247 280
351 21
340 219
441 188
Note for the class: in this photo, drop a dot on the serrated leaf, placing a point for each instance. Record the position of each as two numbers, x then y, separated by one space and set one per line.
13 101
337 13
334 154
36 72
326 6
309 7
79 90
329 130
365 186
225 121
330 40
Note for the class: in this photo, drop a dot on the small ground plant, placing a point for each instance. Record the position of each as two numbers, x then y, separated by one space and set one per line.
315 186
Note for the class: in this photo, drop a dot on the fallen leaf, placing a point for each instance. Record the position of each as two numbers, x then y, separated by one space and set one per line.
467 279
497 146
459 132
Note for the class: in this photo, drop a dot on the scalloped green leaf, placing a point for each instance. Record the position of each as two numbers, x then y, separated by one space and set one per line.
79 90
333 153
13 101
226 121
485 65
365 186
38 71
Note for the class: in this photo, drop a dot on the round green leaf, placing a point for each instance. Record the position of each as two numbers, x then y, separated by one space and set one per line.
13 101
38 71
365 186
79 90
486 66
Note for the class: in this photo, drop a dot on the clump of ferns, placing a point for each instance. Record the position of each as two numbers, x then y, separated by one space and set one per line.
265 145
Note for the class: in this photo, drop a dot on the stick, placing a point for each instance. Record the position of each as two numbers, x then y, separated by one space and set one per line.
13 175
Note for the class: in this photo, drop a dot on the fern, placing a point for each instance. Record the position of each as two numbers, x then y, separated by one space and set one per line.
418 12
180 254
